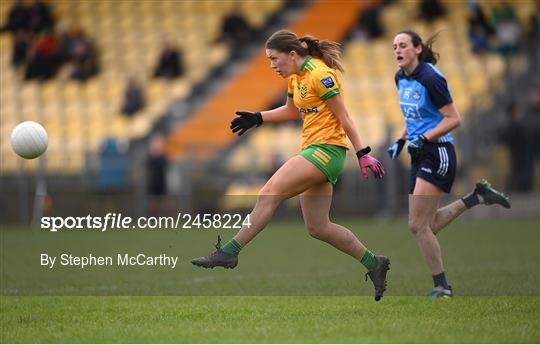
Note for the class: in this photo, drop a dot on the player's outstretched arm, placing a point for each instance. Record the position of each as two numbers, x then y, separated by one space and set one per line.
287 112
246 119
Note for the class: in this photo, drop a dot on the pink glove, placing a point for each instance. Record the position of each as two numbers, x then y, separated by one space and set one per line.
366 162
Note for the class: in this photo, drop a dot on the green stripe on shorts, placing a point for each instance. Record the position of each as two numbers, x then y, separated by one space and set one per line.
330 159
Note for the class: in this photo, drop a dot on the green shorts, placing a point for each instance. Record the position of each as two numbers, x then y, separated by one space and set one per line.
330 159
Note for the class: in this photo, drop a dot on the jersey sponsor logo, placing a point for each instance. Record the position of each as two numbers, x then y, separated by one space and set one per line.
410 110
416 95
328 82
308 110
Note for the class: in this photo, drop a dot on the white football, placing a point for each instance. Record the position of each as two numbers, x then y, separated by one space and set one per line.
29 139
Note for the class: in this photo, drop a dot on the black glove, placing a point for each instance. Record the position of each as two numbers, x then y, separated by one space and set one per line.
245 121
395 150
416 146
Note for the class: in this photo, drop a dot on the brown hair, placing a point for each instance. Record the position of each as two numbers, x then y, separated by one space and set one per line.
427 54
286 41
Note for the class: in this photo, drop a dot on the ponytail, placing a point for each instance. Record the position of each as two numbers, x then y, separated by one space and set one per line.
328 51
285 41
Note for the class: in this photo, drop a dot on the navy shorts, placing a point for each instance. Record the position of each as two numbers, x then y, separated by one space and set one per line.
436 164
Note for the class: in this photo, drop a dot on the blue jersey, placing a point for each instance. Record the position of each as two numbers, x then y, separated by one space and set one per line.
421 95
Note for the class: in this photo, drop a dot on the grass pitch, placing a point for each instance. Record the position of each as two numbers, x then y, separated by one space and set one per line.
273 319
287 288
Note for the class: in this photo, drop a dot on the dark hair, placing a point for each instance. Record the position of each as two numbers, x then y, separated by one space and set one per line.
286 41
427 54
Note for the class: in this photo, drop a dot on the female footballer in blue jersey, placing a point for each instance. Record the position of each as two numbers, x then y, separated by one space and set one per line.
430 116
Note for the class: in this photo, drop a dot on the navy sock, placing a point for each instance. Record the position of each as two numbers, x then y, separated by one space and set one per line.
440 280
471 200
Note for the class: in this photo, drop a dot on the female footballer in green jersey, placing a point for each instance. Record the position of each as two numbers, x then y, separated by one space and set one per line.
314 92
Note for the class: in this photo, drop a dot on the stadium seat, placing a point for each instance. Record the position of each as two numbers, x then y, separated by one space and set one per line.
128 36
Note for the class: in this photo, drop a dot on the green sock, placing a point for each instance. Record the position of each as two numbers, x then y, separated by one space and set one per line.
368 260
232 247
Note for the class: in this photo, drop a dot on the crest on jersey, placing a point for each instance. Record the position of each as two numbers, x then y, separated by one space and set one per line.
416 95
303 91
328 82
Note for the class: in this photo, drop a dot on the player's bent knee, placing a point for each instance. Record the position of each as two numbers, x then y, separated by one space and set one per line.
266 190
317 231
271 189
268 200
316 234
415 227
